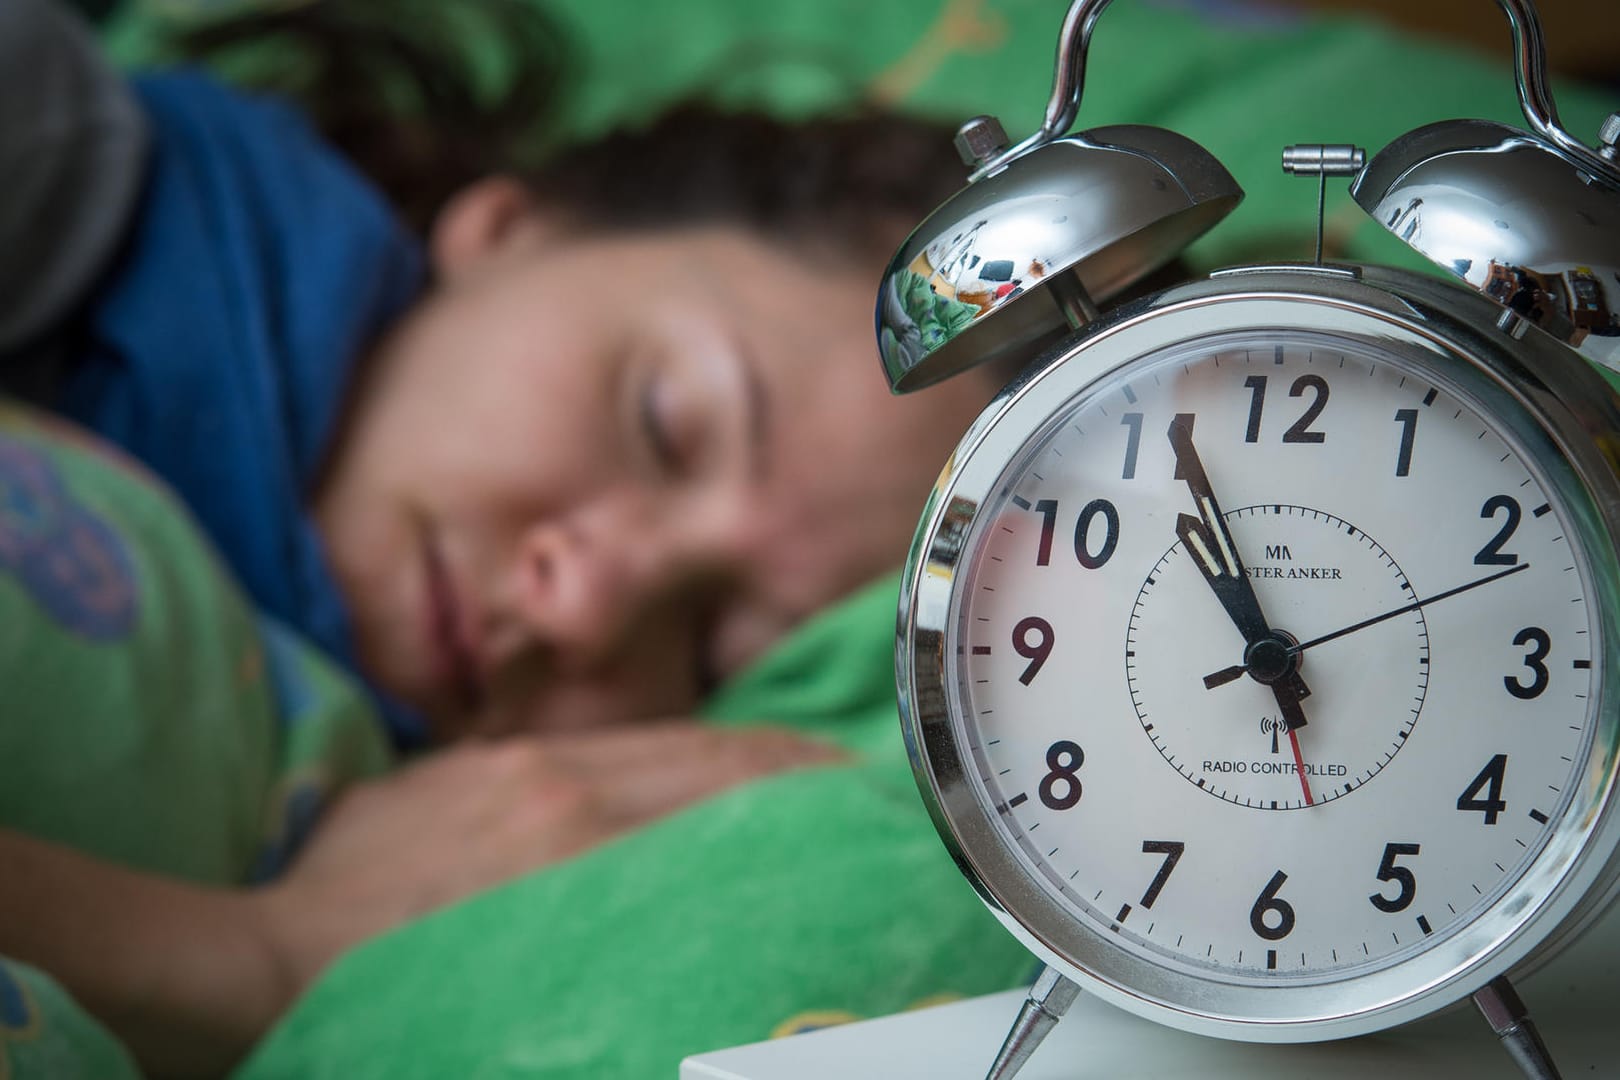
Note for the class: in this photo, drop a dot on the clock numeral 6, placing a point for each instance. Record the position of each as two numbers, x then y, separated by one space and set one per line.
1270 902
1489 780
1064 758
1402 876
1048 509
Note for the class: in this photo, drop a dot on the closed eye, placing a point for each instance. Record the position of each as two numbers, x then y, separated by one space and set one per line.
655 426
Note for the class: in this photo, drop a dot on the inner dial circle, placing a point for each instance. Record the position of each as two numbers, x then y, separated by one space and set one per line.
1313 573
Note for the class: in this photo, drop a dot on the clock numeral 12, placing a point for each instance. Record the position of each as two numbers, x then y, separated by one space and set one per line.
1300 431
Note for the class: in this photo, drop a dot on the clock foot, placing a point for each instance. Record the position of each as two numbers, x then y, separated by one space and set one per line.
1511 1021
1049 999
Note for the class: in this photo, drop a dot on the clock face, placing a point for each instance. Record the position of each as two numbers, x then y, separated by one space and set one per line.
1272 659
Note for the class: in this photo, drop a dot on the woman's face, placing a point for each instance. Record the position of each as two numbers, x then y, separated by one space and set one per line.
589 475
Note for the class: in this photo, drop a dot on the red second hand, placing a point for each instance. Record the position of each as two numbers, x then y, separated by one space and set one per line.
1299 764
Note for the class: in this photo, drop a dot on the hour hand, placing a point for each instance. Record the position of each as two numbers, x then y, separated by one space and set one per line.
1221 569
1209 541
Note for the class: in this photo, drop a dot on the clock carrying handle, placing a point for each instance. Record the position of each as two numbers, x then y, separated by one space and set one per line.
1529 76
1535 96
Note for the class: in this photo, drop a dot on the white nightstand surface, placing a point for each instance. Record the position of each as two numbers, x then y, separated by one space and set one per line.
1575 1001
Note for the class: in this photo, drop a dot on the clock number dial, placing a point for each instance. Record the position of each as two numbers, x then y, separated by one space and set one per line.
1256 385
1064 759
1300 430
1270 903
1407 418
1489 780
1409 608
1541 645
1172 851
1082 534
1491 554
1035 651
1406 881
1133 443
1047 508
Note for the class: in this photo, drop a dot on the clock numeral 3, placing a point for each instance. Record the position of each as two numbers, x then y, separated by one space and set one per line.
1270 902
1541 644
1402 876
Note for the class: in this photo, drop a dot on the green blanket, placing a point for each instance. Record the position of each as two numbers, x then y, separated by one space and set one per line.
791 903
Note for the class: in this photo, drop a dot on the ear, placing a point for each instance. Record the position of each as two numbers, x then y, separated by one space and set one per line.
478 220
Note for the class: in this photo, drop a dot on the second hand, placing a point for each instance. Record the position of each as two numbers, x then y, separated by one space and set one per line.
1228 674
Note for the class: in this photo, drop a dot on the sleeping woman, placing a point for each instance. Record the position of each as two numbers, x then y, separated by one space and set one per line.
544 472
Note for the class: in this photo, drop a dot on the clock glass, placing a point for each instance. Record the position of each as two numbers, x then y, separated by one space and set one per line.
1271 658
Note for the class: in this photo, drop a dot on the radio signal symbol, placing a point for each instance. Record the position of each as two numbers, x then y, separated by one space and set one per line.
1273 725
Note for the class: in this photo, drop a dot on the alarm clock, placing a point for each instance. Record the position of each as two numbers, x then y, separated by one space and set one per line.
1258 647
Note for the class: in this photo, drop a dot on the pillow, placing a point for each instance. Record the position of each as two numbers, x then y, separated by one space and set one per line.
150 717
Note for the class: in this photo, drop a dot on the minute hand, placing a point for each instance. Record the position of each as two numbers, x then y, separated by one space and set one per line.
1226 675
1215 554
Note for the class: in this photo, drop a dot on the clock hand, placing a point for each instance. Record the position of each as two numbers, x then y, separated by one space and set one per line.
1215 554
1228 674
1294 717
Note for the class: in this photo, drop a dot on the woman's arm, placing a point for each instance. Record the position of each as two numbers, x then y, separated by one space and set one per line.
185 975
190 977
72 148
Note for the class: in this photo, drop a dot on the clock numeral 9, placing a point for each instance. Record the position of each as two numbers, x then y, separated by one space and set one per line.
1270 902
1403 877
1541 645
1036 651
1300 431
1489 780
1048 509
1062 774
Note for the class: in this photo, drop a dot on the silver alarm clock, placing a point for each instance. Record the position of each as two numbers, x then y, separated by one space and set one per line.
1258 654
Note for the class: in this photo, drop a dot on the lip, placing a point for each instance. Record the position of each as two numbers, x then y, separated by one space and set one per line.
454 648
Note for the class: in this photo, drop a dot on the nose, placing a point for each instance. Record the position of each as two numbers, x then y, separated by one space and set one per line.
585 582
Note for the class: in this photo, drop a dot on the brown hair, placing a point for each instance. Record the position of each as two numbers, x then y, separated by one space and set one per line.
846 184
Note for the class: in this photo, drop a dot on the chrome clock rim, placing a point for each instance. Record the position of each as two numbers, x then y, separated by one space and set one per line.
1566 886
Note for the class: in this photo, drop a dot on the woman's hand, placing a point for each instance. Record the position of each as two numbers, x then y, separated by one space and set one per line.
477 814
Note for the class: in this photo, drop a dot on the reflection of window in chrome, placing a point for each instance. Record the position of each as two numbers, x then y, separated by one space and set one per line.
1570 304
